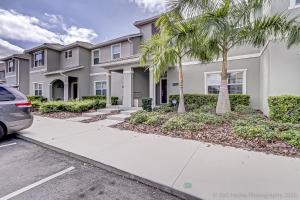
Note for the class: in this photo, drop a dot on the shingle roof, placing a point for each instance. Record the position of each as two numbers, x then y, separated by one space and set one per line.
116 40
20 56
146 21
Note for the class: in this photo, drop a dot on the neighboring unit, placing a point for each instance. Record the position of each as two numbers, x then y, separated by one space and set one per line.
2 72
17 72
112 68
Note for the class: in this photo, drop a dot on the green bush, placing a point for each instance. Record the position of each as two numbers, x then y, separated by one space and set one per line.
181 123
245 110
156 119
207 109
292 137
147 104
71 106
198 100
36 105
37 98
164 109
114 100
285 108
139 117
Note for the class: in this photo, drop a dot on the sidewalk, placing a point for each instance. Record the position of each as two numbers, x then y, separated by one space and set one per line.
198 169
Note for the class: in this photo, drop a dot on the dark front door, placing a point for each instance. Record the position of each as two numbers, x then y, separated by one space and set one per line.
164 91
75 91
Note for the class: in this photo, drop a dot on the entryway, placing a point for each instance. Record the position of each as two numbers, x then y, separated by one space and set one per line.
163 90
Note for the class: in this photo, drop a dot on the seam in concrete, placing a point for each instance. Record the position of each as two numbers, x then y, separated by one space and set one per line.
188 162
164 188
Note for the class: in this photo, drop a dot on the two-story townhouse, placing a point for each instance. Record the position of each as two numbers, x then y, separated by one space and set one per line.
2 72
259 72
60 72
17 71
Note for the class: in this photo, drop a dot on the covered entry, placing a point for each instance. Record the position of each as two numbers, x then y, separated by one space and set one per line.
57 90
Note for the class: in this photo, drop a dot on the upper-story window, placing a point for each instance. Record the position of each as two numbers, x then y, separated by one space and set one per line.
96 57
68 54
11 66
39 59
154 29
116 51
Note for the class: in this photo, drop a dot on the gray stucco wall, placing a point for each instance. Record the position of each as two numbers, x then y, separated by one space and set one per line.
140 83
24 76
72 61
194 77
53 61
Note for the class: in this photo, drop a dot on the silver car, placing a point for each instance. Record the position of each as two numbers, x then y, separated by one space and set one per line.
15 111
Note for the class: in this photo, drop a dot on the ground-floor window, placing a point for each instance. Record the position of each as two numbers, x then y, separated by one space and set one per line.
236 82
38 89
100 88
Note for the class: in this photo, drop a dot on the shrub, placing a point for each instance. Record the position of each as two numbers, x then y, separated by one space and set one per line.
180 123
206 109
164 109
37 98
139 117
71 106
147 104
114 100
156 119
245 110
211 99
285 108
292 137
36 105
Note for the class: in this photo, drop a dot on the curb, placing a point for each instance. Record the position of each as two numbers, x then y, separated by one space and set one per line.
114 170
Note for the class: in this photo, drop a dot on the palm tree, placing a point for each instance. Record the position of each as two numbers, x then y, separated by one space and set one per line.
167 48
231 23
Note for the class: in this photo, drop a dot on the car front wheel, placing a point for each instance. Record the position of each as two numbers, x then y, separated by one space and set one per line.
2 132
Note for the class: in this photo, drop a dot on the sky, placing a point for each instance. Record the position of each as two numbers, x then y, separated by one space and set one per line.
28 23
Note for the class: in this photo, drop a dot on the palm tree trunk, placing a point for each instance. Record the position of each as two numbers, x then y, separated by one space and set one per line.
181 107
223 105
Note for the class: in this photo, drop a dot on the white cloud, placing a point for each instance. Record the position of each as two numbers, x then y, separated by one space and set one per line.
16 26
7 49
151 5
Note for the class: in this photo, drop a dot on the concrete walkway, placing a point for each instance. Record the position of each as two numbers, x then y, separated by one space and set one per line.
199 169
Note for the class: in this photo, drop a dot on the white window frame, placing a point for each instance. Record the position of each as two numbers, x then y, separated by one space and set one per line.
42 90
67 53
293 4
244 71
95 92
44 60
11 69
111 48
96 57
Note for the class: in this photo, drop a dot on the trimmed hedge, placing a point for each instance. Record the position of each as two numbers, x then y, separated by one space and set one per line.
37 98
147 104
285 109
199 100
114 100
71 106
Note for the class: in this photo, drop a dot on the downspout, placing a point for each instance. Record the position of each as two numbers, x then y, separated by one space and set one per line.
131 46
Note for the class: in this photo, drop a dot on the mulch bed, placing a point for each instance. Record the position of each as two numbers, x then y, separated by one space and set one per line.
219 135
57 115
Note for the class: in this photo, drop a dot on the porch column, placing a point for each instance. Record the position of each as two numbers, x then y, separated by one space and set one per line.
108 89
66 89
152 87
50 92
127 87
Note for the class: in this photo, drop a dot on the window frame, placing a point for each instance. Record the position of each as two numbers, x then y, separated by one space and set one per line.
101 90
93 58
43 59
244 82
112 54
68 54
38 89
294 4
9 68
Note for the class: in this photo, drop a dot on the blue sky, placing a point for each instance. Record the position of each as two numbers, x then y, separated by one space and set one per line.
27 23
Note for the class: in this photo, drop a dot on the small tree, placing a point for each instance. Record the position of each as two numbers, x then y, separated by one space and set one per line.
228 24
169 47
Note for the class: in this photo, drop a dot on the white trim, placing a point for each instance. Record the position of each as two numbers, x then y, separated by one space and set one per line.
160 89
10 76
37 71
229 71
42 83
92 57
94 92
293 4
111 51
99 73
